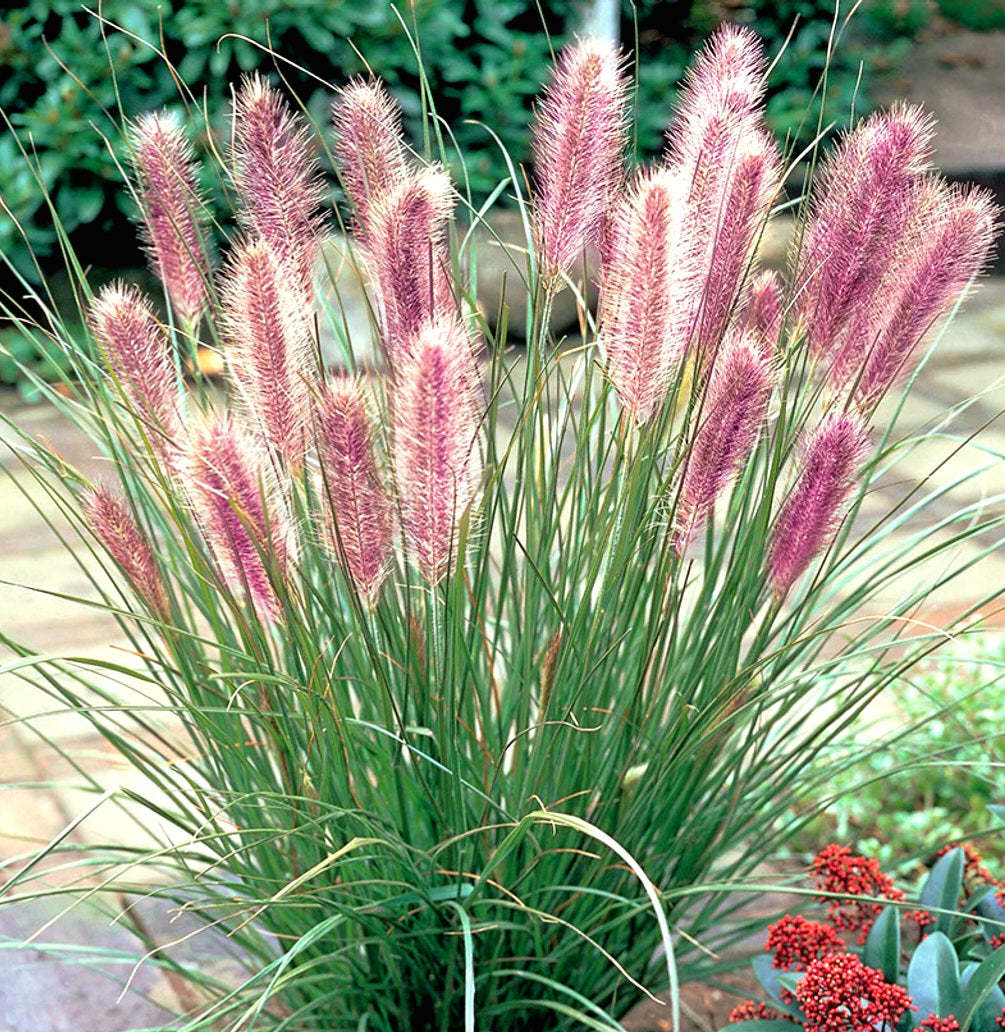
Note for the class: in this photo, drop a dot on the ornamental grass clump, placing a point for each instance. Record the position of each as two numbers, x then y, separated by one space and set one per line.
472 676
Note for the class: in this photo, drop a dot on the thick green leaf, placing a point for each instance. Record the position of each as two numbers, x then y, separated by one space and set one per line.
942 888
998 811
882 948
933 978
982 1000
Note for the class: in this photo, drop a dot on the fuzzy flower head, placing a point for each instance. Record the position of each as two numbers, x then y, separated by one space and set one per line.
370 151
641 325
408 258
235 502
276 177
362 522
436 417
814 507
762 308
839 993
719 147
269 346
951 246
730 422
109 517
864 199
138 352
173 211
579 139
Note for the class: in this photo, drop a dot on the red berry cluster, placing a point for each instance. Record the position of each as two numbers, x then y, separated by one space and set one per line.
936 1024
837 870
974 870
997 941
839 993
795 941
754 1010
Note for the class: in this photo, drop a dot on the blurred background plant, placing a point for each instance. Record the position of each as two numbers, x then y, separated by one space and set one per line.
938 753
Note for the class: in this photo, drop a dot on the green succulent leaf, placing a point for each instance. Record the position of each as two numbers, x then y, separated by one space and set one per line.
942 889
933 978
882 948
982 1001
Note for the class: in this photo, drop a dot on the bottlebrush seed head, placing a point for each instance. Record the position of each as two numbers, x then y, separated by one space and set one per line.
952 246
813 510
751 183
234 500
729 424
138 352
370 152
109 517
362 523
863 201
640 311
173 211
408 257
762 309
722 94
265 319
436 417
277 177
579 141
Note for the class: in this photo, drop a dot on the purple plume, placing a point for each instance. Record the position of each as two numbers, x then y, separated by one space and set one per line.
762 309
813 509
277 178
370 151
408 257
641 326
863 201
362 527
952 245
234 501
173 211
718 146
579 140
436 418
265 318
730 423
109 517
138 352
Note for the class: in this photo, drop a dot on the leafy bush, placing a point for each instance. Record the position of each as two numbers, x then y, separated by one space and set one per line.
979 15
937 966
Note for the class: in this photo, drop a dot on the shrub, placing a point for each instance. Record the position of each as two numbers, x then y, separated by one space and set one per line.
468 675
938 966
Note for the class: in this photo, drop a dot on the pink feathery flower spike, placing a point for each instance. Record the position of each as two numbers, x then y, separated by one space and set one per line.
718 145
277 177
109 517
362 527
864 199
408 257
579 141
370 151
234 501
138 352
173 211
952 246
436 417
762 309
813 510
754 181
265 318
640 309
730 423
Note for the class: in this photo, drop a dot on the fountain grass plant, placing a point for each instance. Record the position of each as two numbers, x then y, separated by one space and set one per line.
477 678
